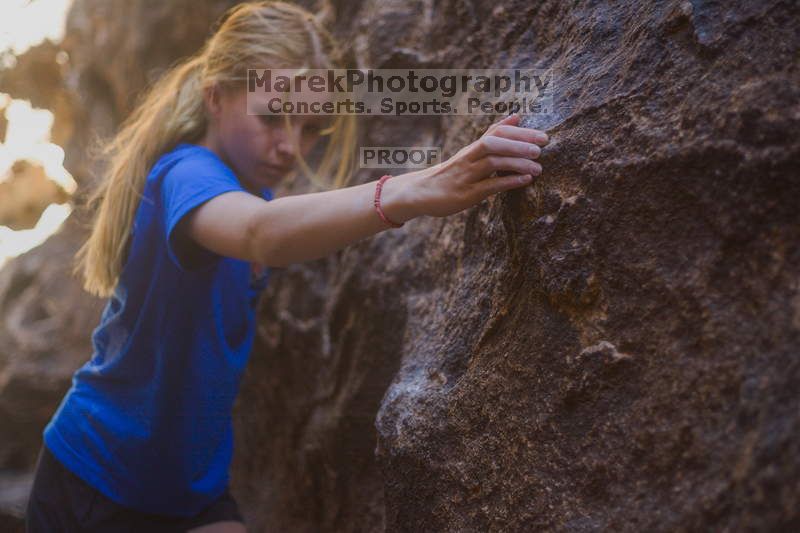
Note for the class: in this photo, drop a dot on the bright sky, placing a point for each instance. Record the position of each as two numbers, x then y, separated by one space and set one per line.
28 137
26 23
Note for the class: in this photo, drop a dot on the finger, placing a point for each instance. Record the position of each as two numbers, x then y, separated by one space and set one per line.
522 134
493 145
498 184
513 118
510 119
493 163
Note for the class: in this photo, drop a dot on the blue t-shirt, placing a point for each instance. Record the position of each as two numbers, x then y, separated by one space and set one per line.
147 420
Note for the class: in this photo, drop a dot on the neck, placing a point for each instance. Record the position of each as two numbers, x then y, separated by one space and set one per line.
209 141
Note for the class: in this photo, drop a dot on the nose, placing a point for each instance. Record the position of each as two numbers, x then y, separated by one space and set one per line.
285 146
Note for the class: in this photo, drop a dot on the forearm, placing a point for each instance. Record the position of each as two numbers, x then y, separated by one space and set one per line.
304 227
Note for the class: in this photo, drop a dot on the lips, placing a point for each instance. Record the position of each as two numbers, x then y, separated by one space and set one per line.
277 169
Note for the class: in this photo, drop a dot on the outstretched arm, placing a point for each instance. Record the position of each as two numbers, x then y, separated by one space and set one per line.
304 227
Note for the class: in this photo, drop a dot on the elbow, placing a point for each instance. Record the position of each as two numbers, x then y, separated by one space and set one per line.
271 251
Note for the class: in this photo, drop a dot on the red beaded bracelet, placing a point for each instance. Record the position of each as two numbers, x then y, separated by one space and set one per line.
378 187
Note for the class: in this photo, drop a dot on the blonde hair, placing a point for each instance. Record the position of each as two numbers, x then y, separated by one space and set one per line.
249 35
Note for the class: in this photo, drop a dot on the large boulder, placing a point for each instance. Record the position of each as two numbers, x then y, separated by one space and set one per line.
615 347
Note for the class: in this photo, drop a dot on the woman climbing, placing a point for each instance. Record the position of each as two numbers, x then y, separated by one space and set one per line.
185 232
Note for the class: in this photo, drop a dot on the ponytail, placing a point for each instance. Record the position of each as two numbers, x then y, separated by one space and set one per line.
172 110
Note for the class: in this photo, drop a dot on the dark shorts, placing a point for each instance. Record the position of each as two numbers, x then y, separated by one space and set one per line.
60 501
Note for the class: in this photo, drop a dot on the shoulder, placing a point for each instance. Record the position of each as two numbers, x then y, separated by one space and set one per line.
190 160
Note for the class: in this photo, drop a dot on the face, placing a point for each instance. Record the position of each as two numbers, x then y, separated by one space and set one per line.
259 147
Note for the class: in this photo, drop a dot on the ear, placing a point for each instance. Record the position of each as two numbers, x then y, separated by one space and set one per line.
212 97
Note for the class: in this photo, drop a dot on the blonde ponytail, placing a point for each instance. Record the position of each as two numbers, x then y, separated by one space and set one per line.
172 110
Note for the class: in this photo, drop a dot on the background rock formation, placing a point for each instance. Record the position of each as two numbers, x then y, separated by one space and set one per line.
25 193
613 347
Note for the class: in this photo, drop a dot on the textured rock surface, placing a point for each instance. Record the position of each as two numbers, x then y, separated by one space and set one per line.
45 326
613 348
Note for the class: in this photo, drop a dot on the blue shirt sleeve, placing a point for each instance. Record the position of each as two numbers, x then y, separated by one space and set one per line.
185 186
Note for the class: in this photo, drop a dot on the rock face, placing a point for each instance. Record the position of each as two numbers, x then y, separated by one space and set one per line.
615 347
45 325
